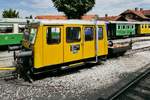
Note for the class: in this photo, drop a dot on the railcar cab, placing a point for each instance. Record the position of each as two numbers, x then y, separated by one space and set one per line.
58 42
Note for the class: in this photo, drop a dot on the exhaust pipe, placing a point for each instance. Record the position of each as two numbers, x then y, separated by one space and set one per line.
14 48
23 54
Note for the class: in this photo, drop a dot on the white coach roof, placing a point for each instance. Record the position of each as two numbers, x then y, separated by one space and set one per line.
126 22
15 20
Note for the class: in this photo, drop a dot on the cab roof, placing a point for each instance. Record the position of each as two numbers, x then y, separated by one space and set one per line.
62 22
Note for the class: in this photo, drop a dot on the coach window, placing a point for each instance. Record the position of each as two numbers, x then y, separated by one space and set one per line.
73 34
123 27
142 26
88 31
118 26
6 28
149 26
53 35
145 26
100 33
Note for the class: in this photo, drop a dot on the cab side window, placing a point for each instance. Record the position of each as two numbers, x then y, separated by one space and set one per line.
53 35
89 33
73 34
100 33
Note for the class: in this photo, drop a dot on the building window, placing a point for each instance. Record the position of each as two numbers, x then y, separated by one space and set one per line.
89 33
53 35
73 34
100 33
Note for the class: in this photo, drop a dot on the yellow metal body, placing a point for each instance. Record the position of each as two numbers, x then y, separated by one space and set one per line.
52 54
8 68
38 48
144 29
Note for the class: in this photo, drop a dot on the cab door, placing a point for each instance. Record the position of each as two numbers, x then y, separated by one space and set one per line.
53 45
73 43
89 41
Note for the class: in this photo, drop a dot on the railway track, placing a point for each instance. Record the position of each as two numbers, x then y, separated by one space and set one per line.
137 89
133 51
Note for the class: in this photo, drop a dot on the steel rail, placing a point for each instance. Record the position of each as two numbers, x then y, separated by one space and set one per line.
130 84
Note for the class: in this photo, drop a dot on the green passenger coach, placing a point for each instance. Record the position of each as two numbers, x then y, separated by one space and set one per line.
11 31
121 29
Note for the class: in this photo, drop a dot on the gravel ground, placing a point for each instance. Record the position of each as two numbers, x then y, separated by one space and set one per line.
80 85
133 39
142 44
6 59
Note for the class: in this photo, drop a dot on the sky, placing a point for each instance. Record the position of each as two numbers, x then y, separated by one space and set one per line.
45 7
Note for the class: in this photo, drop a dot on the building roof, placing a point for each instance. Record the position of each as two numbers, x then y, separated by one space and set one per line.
63 17
142 15
89 17
52 17
146 12
138 13
109 18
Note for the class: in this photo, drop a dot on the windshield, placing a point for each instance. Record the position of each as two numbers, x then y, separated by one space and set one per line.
33 32
29 34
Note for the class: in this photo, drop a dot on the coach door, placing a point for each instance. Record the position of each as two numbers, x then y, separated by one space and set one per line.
89 43
102 39
53 45
72 43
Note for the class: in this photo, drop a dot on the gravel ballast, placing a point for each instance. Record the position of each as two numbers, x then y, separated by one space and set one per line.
84 84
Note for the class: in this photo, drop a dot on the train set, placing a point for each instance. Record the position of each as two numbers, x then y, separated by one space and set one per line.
11 30
119 29
53 44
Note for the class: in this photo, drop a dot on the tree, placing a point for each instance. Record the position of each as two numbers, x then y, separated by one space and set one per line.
10 13
30 17
74 9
